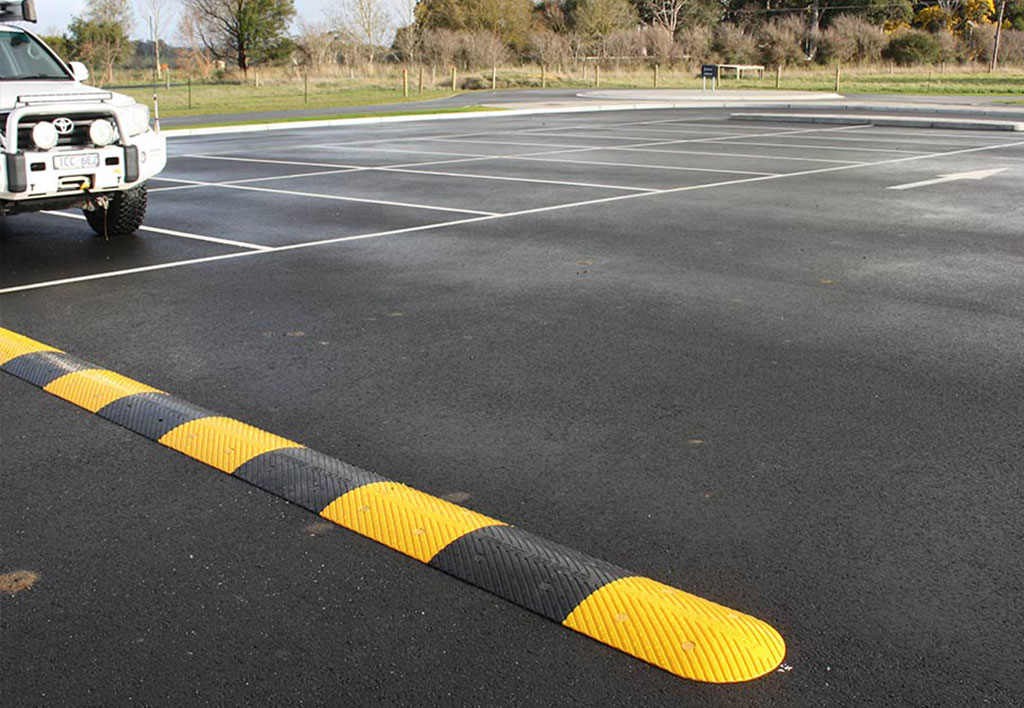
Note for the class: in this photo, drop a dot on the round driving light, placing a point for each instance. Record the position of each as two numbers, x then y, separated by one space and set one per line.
44 135
101 132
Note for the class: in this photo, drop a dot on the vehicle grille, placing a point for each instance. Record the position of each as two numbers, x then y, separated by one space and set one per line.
78 137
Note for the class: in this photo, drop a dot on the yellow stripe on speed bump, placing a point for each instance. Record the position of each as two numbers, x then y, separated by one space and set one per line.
677 631
403 518
93 389
13 345
223 443
682 633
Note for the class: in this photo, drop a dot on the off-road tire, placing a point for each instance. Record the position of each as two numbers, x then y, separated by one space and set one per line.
124 215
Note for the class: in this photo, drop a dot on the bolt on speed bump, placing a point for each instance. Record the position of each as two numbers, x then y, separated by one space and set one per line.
675 630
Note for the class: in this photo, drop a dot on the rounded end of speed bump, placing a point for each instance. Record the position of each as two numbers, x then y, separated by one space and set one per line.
679 632
684 634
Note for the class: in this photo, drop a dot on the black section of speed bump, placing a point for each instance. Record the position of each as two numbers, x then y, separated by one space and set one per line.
41 368
543 576
303 476
152 415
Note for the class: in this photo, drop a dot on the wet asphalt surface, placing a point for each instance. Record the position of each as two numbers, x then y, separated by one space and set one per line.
785 388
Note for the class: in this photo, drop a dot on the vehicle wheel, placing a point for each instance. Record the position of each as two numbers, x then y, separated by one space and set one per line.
122 217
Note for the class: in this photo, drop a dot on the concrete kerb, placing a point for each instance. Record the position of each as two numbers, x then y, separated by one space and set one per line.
499 113
888 121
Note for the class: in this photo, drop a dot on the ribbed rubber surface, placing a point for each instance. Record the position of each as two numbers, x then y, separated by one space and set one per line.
531 571
675 630
305 477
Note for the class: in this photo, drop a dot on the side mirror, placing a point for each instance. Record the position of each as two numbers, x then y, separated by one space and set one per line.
79 70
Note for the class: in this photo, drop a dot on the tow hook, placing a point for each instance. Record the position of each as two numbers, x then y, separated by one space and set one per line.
100 202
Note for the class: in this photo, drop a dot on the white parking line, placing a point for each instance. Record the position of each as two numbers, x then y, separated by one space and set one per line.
829 147
192 184
315 195
253 159
514 179
364 148
492 217
646 166
127 271
746 156
171 232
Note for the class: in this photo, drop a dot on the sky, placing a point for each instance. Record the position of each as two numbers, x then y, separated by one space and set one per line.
54 15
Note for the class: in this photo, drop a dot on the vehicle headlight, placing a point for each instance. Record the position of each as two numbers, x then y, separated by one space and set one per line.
44 135
101 132
138 119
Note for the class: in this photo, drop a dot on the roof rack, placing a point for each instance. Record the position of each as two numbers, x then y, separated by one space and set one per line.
22 10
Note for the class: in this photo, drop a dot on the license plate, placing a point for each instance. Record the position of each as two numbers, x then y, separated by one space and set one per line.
78 161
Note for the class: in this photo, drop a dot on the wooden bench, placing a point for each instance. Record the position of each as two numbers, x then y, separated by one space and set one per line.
740 68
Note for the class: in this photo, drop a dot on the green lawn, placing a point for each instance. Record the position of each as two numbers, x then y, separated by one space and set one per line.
339 116
211 99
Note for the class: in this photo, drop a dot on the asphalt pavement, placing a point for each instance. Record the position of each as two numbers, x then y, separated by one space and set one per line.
725 355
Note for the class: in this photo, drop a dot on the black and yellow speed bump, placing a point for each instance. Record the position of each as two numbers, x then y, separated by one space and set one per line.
679 632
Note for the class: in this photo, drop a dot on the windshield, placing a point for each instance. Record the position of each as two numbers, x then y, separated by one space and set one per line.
23 57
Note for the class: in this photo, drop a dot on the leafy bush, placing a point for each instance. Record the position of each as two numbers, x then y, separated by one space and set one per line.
913 47
934 19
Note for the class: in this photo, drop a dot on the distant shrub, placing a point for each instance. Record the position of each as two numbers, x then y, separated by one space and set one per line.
733 45
913 47
548 48
781 41
851 40
1011 47
661 46
483 49
950 48
625 43
696 42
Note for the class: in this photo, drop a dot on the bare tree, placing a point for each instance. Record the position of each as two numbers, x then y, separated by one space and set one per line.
198 58
159 16
484 49
318 44
369 21
441 46
666 13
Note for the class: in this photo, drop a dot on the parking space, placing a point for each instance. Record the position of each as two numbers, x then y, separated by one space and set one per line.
727 356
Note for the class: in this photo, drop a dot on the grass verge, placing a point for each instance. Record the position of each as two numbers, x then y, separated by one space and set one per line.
339 116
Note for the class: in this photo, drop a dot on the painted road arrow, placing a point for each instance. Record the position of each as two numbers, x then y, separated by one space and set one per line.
976 174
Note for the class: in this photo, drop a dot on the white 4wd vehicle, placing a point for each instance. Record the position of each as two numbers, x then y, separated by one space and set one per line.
68 145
